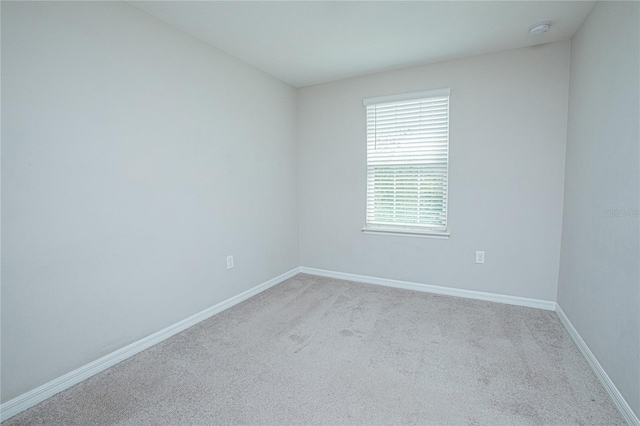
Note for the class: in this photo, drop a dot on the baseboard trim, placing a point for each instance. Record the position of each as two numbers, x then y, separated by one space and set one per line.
622 405
428 288
39 394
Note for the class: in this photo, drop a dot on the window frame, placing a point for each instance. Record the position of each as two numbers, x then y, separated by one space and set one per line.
403 230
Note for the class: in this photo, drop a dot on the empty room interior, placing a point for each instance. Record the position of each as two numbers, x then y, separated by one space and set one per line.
320 212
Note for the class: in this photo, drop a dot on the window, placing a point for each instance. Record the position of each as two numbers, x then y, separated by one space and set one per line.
407 162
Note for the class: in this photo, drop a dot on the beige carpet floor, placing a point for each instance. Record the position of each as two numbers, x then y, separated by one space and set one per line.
322 351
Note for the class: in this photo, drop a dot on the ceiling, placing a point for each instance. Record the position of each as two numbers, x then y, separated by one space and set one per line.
310 42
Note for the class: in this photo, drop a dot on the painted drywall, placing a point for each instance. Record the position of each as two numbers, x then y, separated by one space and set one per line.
599 282
508 115
135 158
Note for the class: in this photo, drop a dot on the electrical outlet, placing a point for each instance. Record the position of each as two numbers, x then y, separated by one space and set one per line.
479 257
229 262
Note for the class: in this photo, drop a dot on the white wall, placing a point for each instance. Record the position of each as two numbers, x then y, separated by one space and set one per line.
508 115
134 159
599 285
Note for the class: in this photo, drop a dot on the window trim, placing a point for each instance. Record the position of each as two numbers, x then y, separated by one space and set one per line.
412 231
406 96
399 232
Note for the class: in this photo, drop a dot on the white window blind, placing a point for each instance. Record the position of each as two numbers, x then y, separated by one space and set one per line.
407 161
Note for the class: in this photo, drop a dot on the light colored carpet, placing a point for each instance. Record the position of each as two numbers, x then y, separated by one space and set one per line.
321 351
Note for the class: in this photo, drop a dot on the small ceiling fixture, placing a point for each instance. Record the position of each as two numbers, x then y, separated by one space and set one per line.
539 28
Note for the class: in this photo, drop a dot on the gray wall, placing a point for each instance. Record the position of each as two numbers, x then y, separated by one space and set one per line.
134 159
599 285
508 117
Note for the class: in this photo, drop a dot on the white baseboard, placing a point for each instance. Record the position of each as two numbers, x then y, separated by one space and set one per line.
612 390
35 396
427 288
39 394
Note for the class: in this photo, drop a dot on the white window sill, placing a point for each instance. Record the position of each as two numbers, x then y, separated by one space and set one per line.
406 233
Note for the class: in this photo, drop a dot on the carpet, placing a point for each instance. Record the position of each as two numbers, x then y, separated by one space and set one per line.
315 350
